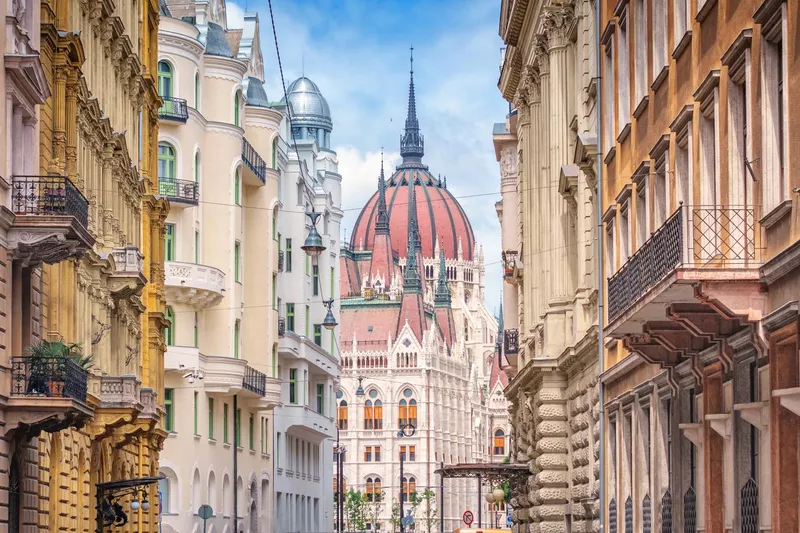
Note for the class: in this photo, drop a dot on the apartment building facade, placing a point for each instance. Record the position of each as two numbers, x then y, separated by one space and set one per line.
307 350
547 150
701 251
217 134
81 353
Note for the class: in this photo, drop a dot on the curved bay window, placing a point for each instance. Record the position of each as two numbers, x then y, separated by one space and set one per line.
409 488
373 491
499 442
407 412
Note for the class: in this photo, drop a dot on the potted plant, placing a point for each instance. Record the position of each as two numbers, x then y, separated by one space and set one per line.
49 365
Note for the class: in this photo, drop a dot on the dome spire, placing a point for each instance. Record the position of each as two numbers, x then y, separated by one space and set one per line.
411 280
382 218
442 296
412 143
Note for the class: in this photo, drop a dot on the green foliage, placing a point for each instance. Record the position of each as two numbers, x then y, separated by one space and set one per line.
57 349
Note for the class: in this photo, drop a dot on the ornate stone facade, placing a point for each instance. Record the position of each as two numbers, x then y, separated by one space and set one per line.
547 214
82 261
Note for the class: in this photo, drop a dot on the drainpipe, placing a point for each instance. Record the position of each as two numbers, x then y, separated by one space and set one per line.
600 273
235 466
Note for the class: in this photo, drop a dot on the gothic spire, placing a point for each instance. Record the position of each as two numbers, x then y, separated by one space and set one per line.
382 218
411 280
412 143
442 296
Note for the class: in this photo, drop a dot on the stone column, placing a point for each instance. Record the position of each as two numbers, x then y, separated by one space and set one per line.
58 157
533 191
550 462
524 178
71 149
557 27
544 184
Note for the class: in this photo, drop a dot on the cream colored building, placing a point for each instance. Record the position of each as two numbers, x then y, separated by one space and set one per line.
546 149
217 168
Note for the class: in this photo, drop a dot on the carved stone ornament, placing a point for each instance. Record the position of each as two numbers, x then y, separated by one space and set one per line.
542 56
46 246
557 24
508 163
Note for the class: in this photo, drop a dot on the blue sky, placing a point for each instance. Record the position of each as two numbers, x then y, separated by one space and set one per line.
357 53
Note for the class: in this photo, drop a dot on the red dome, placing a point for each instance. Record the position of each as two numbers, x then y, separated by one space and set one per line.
439 214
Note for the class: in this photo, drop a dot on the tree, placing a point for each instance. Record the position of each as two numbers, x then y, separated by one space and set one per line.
426 503
355 518
373 510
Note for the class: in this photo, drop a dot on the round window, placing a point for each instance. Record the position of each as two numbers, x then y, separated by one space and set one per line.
373 393
407 393
339 395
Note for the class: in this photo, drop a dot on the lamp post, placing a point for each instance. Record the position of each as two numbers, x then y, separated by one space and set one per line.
109 511
406 430
313 244
497 495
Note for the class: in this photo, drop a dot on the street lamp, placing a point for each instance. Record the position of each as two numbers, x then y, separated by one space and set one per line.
330 321
313 245
360 389
495 496
405 430
108 510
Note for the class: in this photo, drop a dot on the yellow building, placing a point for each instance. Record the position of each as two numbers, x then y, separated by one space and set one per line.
81 258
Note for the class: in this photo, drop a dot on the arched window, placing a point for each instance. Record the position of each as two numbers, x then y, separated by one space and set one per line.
342 414
166 162
409 489
197 90
402 413
275 152
197 490
499 442
407 413
336 487
368 414
237 99
373 491
197 167
227 496
412 412
169 331
237 188
377 414
212 490
164 79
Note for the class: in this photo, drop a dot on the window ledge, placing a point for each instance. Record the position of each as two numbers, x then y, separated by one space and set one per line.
641 106
610 155
777 213
624 133
662 76
252 452
172 435
682 45
197 437
266 456
789 398
756 414
693 432
705 10
721 423
226 445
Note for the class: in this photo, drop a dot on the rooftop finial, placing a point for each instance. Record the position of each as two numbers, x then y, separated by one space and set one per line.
412 143
382 218
442 296
412 284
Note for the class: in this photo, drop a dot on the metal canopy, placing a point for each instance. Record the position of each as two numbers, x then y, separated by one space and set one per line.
490 473
128 483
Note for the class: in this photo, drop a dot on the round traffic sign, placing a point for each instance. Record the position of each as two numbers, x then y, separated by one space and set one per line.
468 518
205 512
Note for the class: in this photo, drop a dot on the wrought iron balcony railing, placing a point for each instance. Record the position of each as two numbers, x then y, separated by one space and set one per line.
280 260
254 161
511 341
48 195
174 109
55 377
281 327
696 237
179 190
254 381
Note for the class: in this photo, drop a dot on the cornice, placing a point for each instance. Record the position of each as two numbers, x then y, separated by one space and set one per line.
786 261
224 68
180 45
782 316
628 364
224 128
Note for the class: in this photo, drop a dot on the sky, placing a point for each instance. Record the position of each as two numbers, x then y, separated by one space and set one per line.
357 52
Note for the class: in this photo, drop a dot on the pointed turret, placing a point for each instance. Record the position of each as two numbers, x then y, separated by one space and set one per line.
411 279
442 295
382 217
412 144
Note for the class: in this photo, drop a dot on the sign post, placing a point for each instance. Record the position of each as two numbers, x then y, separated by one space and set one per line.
205 512
468 518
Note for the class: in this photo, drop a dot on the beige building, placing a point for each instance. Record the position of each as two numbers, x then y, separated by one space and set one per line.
217 167
701 258
546 149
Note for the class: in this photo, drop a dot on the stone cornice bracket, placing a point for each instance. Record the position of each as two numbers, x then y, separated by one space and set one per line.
103 424
534 83
558 25
521 103
542 56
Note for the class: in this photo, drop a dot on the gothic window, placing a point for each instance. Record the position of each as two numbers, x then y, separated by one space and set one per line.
409 488
499 442
342 414
368 410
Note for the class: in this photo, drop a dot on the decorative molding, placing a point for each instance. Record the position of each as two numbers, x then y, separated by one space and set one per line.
785 262
776 215
783 316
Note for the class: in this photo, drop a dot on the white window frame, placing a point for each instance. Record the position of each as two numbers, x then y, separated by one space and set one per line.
608 103
640 63
624 76
660 32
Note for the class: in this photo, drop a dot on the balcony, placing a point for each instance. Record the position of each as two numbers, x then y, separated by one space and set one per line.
704 254
512 267
51 220
47 394
266 392
174 109
180 193
305 422
254 381
128 276
255 169
200 286
280 260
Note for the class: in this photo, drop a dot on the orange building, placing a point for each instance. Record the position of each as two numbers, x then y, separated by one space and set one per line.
701 251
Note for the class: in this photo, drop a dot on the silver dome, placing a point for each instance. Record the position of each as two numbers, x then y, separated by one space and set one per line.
308 106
